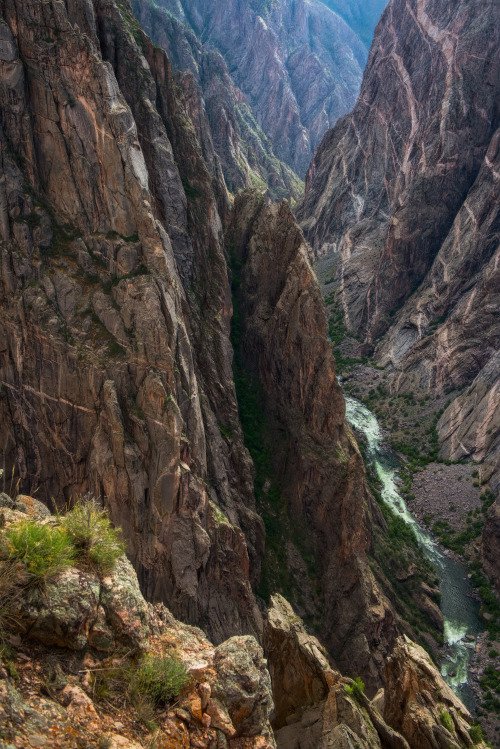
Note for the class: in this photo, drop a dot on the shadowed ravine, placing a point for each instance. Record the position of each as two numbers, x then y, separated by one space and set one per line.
459 607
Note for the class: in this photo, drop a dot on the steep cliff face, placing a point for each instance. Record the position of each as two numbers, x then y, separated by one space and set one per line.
90 663
402 204
115 363
296 65
281 339
315 706
387 183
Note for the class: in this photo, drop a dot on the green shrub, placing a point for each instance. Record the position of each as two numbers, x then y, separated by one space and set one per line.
357 687
44 550
158 678
447 720
95 540
476 734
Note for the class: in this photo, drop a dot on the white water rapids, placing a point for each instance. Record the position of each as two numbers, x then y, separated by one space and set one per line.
459 608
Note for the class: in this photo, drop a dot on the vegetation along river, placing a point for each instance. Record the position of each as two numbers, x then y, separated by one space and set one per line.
459 607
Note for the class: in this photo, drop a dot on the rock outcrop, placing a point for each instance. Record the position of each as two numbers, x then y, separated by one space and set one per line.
116 367
297 66
382 191
418 702
282 343
80 631
316 707
218 108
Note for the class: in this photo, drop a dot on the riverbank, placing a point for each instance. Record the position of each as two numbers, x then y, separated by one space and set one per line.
448 502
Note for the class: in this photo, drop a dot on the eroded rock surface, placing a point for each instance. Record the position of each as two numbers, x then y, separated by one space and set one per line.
64 633
419 703
115 362
317 461
315 707
402 203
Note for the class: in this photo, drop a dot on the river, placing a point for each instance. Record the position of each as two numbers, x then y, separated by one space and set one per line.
459 607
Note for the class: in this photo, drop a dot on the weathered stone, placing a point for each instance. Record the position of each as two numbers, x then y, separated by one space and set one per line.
31 506
416 695
243 685
284 345
63 611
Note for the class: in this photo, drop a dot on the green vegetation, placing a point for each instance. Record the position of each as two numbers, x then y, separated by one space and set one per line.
147 685
158 678
337 332
458 541
447 720
476 733
356 688
192 193
95 541
82 537
44 550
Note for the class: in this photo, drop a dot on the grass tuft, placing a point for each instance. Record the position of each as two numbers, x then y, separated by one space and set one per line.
447 720
95 540
356 689
158 679
44 550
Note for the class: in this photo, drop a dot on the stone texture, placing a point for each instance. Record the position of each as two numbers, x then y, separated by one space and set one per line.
415 698
226 702
383 191
112 273
313 709
402 201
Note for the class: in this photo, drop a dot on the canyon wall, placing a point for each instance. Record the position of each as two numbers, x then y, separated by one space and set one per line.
402 208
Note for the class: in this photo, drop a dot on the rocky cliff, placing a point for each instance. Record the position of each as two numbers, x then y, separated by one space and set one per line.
116 365
402 206
81 653
311 484
315 706
218 108
74 642
294 67
115 362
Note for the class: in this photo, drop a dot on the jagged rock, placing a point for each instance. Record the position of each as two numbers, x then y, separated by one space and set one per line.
244 685
80 708
416 697
30 506
295 66
314 709
118 371
77 609
300 672
402 196
315 458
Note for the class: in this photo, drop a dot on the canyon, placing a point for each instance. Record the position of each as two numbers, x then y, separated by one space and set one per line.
164 346
403 213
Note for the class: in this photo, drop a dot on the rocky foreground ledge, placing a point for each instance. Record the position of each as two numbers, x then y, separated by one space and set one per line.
59 638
